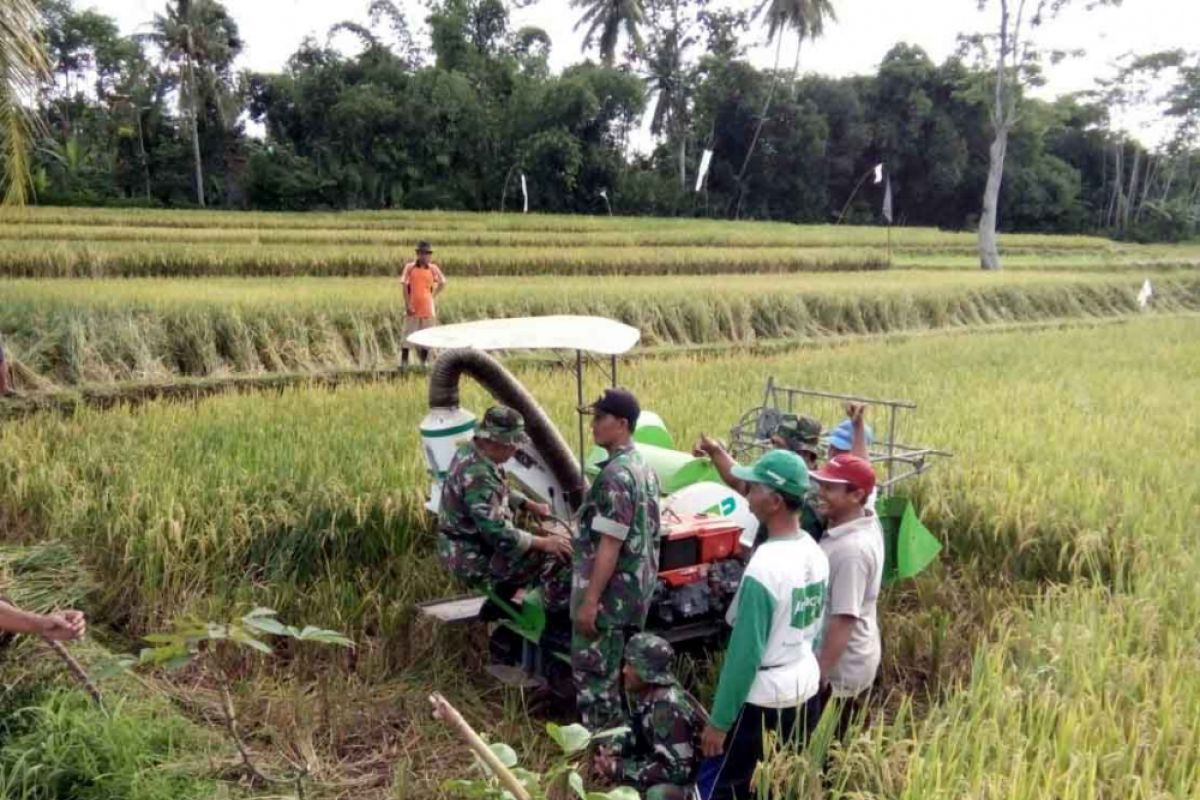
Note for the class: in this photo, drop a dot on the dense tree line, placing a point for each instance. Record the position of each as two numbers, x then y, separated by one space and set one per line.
452 118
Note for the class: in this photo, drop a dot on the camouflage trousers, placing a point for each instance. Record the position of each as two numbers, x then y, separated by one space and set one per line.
504 575
596 664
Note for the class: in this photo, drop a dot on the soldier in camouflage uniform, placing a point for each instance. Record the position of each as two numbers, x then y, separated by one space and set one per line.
616 560
666 722
477 540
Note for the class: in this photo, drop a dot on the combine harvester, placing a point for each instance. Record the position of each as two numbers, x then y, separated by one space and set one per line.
705 523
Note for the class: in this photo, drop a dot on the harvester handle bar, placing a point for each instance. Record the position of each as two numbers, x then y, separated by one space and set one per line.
791 390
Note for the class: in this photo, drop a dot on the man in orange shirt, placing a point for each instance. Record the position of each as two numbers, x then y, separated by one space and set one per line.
422 280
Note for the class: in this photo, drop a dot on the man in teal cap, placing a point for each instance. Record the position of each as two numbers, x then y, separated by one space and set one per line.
770 679
666 720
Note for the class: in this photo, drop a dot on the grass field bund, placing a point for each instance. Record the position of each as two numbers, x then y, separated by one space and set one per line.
71 332
1069 581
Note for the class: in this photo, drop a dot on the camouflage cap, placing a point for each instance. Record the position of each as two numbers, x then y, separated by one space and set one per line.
801 434
650 656
503 425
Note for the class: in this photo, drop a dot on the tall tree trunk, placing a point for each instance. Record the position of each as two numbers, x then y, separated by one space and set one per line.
1003 112
191 79
762 118
1131 195
989 252
682 160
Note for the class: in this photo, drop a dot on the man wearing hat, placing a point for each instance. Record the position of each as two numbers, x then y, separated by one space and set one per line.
616 560
770 678
850 649
666 722
422 281
477 540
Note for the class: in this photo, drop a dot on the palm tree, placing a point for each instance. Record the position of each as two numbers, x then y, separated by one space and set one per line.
605 19
23 66
807 19
202 37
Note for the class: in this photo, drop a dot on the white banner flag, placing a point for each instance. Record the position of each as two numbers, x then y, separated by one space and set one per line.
525 193
705 163
879 173
1145 294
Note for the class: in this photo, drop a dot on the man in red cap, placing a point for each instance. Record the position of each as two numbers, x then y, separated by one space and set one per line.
850 649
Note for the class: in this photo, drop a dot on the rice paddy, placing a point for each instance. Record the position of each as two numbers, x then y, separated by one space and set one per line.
1051 653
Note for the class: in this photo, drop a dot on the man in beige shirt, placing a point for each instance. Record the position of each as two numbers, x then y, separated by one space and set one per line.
850 647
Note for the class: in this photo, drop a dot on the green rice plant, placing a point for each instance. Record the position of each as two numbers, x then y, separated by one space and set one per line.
1070 481
75 332
43 242
65 746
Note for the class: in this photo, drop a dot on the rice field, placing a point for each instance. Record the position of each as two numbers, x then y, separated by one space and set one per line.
1052 652
96 243
309 502
80 332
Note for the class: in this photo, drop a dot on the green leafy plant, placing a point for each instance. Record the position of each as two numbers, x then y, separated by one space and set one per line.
573 742
212 645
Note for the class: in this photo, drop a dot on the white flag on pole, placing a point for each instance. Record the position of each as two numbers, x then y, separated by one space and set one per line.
1145 294
705 163
879 173
525 193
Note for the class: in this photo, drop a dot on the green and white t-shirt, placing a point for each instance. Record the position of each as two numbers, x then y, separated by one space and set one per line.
777 615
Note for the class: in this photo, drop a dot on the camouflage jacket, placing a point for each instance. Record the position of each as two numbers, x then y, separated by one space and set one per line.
667 723
623 504
476 513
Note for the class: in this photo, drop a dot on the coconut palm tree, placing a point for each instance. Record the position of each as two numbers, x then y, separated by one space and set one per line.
605 19
201 37
807 19
23 66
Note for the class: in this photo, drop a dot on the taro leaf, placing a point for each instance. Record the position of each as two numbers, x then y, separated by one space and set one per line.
576 784
569 738
610 733
261 611
620 793
507 756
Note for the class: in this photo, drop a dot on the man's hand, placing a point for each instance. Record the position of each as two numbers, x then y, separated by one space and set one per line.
64 626
557 546
712 741
706 446
537 509
855 412
585 618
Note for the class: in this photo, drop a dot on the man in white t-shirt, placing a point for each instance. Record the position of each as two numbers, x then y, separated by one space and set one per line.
770 679
850 647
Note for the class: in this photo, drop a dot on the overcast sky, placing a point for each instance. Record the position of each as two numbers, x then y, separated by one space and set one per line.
865 31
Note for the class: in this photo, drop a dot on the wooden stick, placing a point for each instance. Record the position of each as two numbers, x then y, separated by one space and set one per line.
77 670
449 714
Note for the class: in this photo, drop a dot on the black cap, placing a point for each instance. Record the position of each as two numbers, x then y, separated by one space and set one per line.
423 247
618 402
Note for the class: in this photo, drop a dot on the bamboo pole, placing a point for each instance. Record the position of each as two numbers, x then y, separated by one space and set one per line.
449 714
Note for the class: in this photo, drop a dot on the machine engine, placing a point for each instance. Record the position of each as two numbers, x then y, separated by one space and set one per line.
698 570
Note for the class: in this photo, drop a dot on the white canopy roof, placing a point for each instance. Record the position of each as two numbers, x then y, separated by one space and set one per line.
561 332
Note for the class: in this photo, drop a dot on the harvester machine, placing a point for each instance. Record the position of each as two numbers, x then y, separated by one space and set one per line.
707 528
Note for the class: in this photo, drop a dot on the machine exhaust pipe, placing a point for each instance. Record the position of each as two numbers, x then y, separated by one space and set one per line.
491 374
